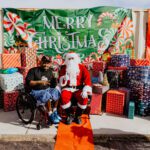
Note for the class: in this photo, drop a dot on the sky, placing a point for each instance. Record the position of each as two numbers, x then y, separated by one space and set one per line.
68 4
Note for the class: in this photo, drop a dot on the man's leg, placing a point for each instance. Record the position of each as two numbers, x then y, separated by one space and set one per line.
49 107
55 94
81 106
55 110
66 105
51 114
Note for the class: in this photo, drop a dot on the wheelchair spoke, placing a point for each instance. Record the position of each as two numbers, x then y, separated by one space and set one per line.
25 108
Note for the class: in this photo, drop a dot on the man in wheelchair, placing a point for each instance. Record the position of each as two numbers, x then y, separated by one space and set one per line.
75 82
43 87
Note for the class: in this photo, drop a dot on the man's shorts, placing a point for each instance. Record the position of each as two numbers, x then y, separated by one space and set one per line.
42 96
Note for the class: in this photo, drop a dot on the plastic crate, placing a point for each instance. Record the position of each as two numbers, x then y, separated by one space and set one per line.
115 102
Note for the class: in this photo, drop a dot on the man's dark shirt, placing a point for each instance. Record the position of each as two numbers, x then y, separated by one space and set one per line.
36 74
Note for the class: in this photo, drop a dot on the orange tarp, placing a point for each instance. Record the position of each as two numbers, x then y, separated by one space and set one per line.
74 136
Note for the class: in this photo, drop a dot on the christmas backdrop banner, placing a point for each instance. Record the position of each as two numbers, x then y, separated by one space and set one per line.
90 32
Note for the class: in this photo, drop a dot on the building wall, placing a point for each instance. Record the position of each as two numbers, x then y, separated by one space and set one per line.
140 19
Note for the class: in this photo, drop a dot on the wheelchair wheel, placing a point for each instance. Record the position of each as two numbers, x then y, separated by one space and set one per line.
25 107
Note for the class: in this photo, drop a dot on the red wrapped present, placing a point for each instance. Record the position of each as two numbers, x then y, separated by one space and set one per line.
98 66
96 104
9 100
139 62
117 68
115 102
10 60
28 58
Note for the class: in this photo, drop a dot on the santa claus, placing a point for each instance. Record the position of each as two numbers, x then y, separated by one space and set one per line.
75 82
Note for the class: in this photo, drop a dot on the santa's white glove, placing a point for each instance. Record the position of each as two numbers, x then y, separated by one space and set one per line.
84 94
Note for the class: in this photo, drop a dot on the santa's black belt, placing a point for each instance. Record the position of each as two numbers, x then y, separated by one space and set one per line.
80 87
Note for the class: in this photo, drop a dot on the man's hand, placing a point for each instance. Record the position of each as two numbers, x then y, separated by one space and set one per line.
84 94
44 83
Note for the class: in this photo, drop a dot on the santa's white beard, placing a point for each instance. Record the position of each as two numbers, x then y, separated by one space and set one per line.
72 70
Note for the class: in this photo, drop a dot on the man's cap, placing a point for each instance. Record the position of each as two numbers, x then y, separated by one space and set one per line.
46 59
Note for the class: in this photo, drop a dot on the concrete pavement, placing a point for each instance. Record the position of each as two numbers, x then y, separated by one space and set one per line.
106 124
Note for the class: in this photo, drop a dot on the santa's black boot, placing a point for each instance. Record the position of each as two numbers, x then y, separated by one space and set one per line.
69 118
78 114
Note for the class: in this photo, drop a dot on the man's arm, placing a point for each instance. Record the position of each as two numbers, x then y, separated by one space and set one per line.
30 79
36 83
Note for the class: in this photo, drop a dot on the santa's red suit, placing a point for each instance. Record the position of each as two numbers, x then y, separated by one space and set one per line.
80 89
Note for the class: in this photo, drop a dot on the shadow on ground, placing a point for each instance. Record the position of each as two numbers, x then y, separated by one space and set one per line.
122 141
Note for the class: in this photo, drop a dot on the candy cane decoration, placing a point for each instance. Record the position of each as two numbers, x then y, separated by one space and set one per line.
12 21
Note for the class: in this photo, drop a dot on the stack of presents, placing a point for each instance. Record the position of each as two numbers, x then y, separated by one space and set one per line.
120 87
123 85
14 68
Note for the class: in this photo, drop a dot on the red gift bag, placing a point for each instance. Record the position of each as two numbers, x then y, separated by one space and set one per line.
96 104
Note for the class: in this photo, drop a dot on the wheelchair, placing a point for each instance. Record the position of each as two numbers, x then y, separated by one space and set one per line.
28 110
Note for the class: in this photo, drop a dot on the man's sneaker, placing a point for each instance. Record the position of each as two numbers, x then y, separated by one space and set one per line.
53 119
69 119
78 120
57 116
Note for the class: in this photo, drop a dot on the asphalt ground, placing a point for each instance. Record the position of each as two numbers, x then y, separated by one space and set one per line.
101 142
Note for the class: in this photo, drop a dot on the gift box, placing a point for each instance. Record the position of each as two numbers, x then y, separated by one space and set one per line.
137 90
10 60
28 58
131 110
127 99
139 73
143 107
139 62
120 60
9 100
116 78
95 79
146 91
98 66
96 104
11 82
99 89
117 68
24 71
115 102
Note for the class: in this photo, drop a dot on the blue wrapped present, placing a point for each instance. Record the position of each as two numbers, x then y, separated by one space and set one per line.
120 60
139 73
95 79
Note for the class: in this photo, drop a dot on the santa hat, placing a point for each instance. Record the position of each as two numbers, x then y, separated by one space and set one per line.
73 55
